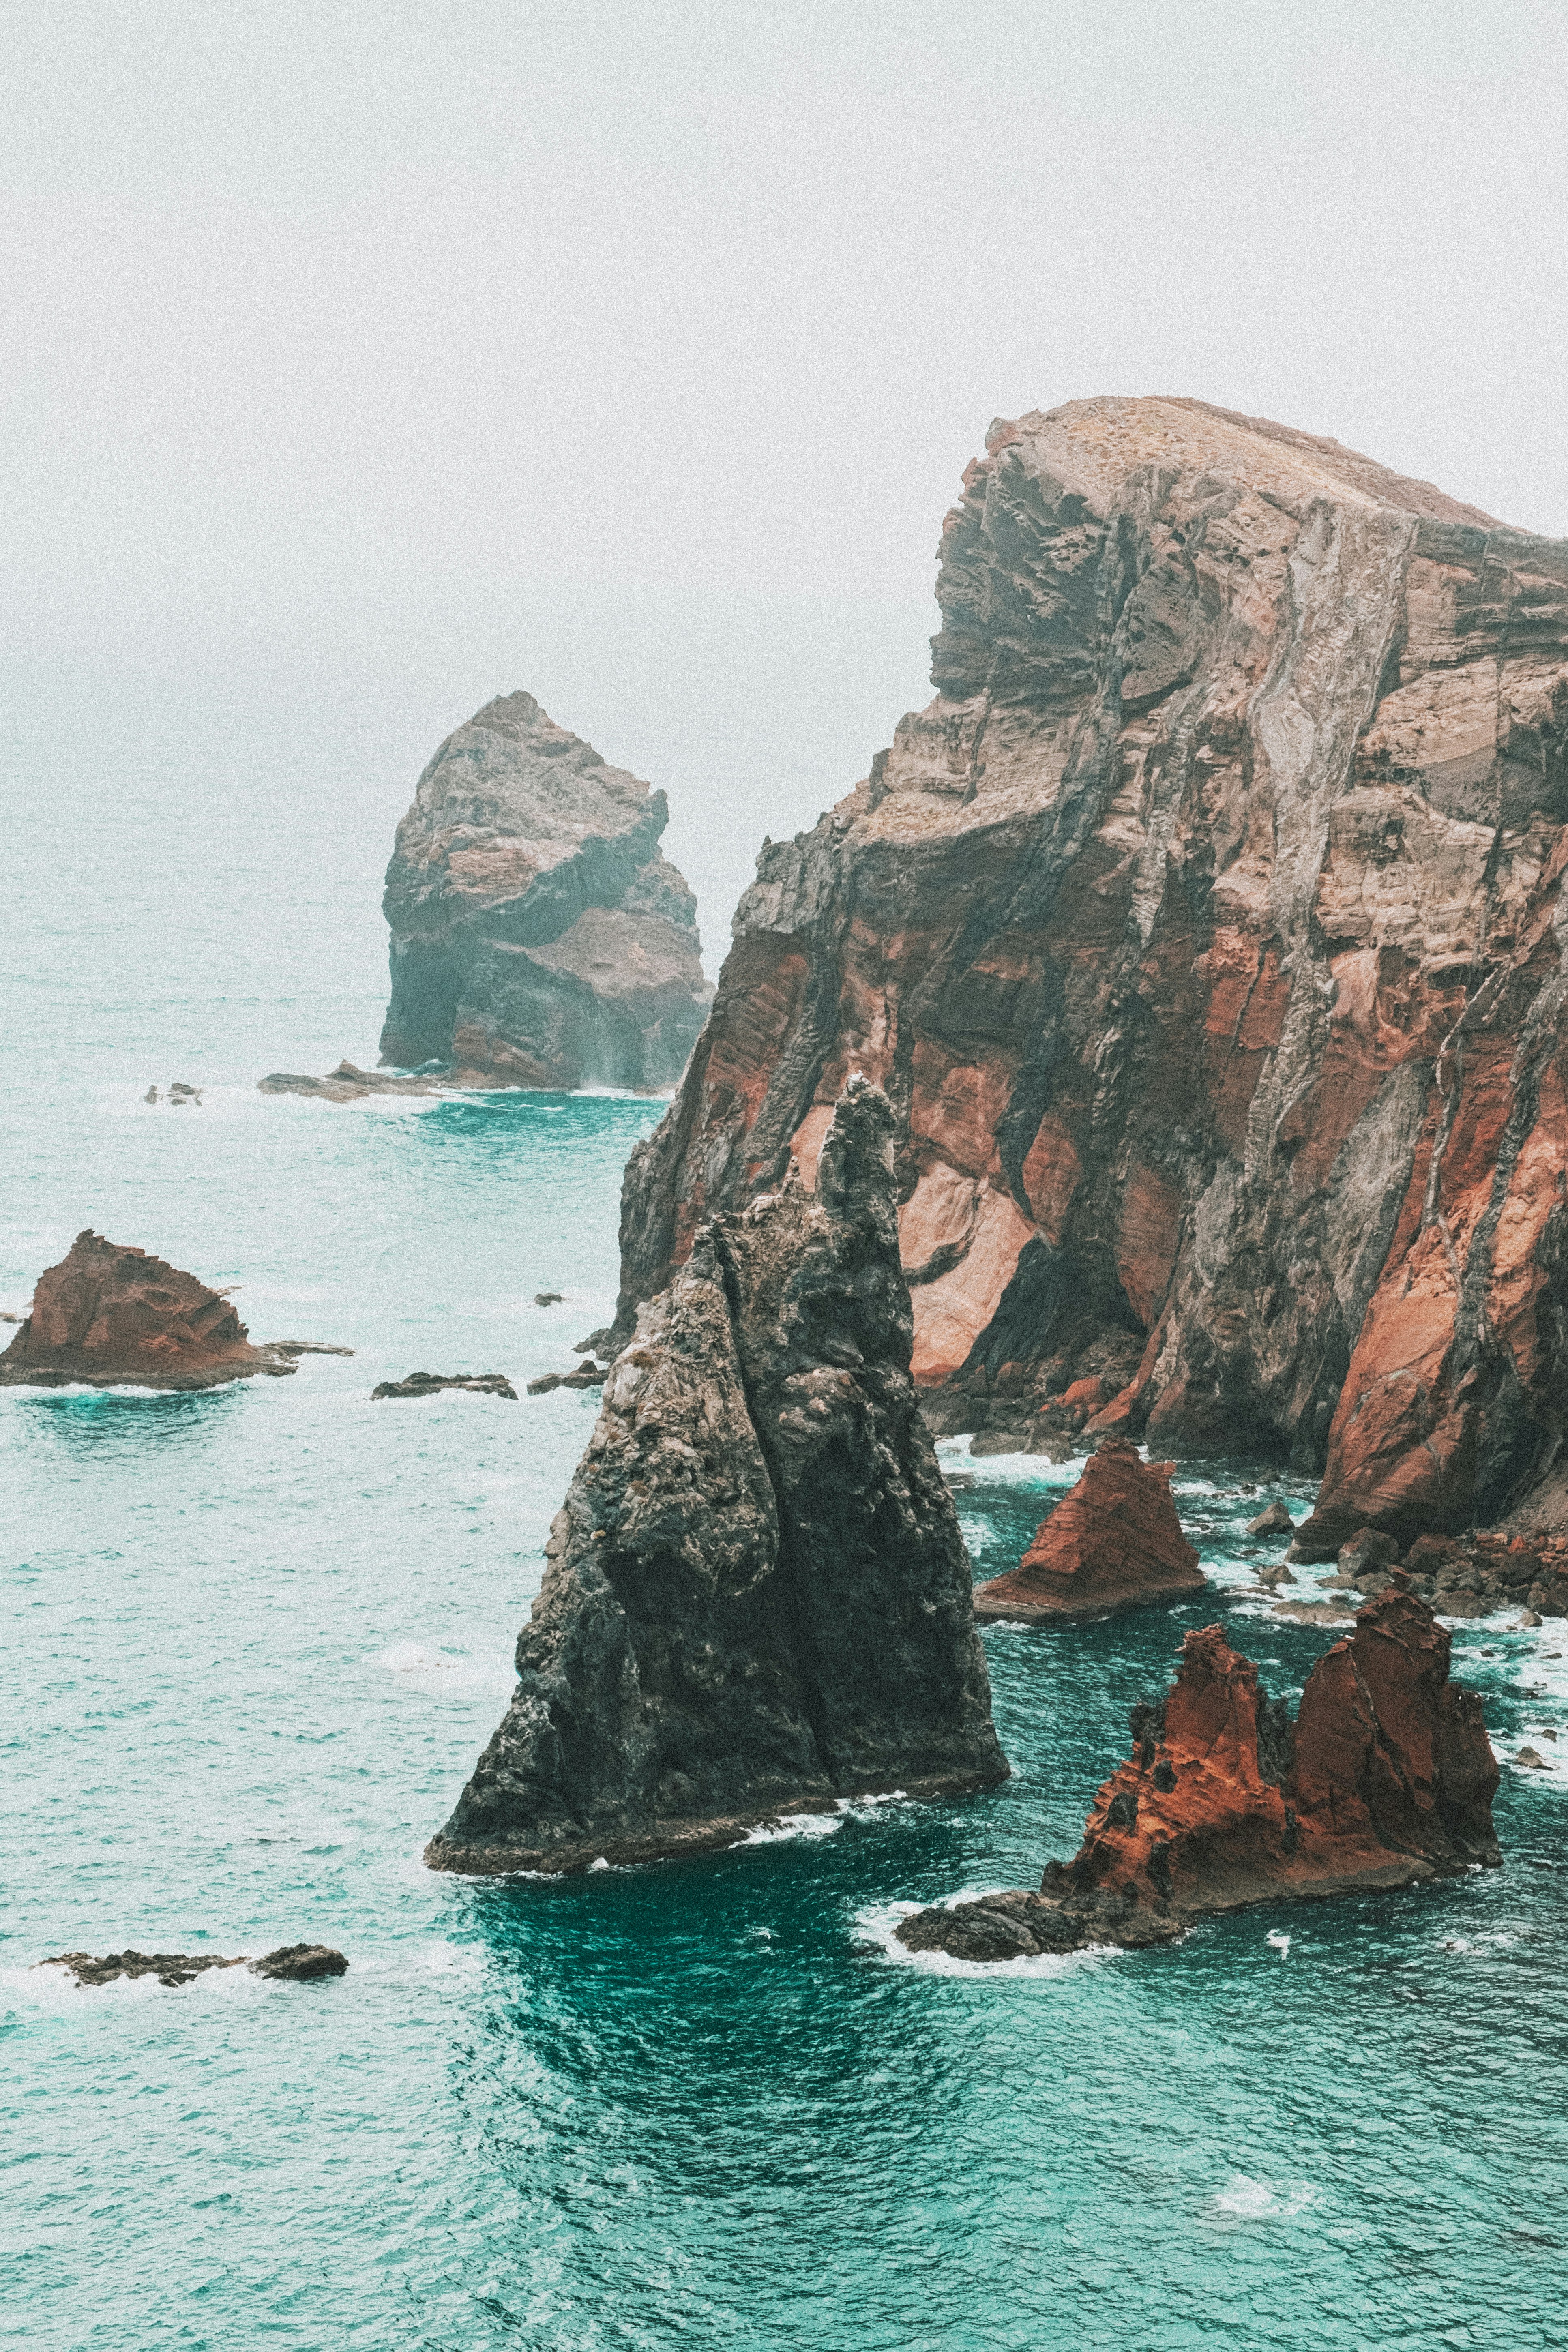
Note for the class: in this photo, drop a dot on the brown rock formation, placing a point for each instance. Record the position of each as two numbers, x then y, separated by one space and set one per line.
1202 933
756 1598
1114 1542
109 1316
538 937
1385 1778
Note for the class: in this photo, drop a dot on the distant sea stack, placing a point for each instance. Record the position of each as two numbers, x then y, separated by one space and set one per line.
1203 933
1386 1778
538 937
109 1316
756 1598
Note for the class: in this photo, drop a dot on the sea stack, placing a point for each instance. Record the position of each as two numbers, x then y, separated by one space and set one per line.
538 937
111 1316
756 1600
1201 933
1114 1542
1385 1778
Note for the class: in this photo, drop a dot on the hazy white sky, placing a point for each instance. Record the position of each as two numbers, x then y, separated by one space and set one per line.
364 360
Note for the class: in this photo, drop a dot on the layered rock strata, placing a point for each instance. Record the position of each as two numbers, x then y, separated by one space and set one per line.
1204 932
539 937
1114 1542
1385 1778
111 1316
756 1598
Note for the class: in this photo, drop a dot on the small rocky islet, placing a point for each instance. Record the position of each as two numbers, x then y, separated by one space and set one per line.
1384 1778
109 1315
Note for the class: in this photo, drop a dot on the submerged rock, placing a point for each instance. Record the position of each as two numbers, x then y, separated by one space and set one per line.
1114 1542
1384 1778
111 1316
1204 933
424 1384
290 1964
756 1598
539 938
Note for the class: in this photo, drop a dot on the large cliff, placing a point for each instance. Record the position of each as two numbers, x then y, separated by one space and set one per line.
756 1597
1204 932
539 938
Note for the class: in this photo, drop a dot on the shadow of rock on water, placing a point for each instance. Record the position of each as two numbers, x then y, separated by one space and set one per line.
93 1422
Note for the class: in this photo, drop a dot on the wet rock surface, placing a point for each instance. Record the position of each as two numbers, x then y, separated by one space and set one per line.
1202 932
290 1964
756 1598
538 937
1114 1542
1385 1778
426 1384
111 1316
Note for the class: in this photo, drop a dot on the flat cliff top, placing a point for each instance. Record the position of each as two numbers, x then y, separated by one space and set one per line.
1095 445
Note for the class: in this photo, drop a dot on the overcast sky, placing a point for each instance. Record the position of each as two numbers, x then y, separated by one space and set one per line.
364 360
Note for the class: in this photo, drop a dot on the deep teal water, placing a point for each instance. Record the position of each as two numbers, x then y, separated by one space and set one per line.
254 1639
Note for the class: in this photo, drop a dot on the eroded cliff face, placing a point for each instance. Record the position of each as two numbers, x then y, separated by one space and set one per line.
539 938
1205 933
756 1596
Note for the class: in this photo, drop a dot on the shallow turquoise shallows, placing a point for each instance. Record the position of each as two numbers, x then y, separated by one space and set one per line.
255 1640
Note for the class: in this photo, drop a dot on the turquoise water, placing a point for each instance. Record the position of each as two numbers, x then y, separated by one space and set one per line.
255 1640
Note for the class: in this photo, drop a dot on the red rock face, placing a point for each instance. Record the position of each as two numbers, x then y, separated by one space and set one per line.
1114 1542
1201 933
1387 1779
108 1314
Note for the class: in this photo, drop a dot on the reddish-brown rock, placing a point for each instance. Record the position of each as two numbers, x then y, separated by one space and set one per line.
1385 1778
1114 1542
108 1316
1202 933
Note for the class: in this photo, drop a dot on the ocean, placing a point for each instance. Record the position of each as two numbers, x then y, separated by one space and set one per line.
255 1638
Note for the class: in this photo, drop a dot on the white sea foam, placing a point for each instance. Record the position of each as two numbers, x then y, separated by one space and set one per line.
1245 2199
1280 1943
816 1825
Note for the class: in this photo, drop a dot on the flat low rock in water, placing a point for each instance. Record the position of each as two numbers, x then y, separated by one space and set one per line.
290 1964
425 1384
348 1082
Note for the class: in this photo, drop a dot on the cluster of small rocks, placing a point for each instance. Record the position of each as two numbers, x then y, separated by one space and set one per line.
1460 1576
588 1374
1036 1408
